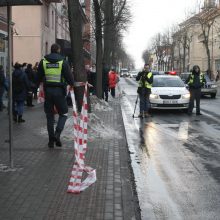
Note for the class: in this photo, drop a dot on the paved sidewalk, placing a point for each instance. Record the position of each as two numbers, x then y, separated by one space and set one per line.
37 189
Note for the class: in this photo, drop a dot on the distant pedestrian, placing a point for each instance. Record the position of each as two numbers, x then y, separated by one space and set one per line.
35 80
23 66
195 81
55 73
2 86
20 87
31 78
105 82
113 79
217 76
145 79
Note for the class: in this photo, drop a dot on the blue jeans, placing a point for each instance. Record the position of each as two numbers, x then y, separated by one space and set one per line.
55 96
18 107
144 103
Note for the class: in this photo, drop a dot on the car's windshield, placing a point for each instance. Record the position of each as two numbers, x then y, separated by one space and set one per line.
184 76
167 82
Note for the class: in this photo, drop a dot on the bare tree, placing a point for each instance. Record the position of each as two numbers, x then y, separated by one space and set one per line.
75 25
99 53
116 19
206 19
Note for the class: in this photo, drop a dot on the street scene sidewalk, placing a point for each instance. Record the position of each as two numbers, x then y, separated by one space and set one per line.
37 187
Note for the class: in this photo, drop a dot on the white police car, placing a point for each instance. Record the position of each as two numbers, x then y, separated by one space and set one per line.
169 92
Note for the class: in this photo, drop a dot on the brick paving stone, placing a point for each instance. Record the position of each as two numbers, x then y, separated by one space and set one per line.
37 189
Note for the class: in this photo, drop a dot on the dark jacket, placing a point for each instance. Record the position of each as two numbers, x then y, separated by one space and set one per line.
21 96
196 84
143 77
66 72
105 81
2 79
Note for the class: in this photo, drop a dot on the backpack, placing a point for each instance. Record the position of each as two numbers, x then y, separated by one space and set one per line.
17 83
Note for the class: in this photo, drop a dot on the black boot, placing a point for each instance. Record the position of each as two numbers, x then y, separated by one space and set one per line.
20 119
15 118
57 138
51 142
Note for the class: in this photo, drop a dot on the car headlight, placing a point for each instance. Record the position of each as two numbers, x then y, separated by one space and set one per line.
186 96
214 86
154 96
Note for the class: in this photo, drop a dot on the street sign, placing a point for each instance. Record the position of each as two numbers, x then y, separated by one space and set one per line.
20 2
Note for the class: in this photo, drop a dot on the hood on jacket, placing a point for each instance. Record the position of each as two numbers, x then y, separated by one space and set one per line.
53 57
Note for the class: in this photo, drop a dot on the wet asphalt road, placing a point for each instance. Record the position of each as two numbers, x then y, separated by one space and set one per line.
175 158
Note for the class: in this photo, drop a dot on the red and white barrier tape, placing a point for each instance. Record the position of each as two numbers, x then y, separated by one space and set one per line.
41 97
76 185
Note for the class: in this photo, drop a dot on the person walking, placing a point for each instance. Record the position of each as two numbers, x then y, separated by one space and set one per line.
145 79
217 76
55 74
112 80
20 87
2 86
30 75
195 81
35 80
105 81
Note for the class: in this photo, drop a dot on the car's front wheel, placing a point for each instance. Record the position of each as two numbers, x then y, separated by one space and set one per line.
213 95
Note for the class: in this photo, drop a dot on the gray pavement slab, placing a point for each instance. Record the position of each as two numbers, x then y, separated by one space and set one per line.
37 188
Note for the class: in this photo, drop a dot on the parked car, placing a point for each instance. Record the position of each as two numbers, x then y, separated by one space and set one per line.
133 73
210 88
124 72
169 92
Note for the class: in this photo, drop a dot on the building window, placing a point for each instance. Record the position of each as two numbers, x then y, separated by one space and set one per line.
47 15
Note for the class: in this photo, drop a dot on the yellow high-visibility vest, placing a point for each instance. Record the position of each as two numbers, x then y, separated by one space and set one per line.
192 78
146 83
53 71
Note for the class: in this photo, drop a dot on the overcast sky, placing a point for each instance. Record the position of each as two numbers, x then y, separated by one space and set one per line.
151 17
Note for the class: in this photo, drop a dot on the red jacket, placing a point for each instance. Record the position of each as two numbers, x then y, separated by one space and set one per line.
112 79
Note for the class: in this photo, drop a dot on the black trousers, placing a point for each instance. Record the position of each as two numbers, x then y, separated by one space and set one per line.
195 94
55 97
113 92
105 94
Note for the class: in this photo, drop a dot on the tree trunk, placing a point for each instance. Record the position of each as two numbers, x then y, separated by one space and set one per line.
75 25
98 36
108 32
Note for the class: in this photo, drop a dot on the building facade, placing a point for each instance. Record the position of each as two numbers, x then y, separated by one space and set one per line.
3 37
46 25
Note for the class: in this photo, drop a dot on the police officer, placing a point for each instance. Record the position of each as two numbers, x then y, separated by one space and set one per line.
145 79
195 81
55 73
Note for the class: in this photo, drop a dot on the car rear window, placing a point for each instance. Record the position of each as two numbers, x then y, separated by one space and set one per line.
167 82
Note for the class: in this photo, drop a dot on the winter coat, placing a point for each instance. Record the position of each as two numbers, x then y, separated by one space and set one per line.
2 79
105 79
196 80
66 73
112 79
21 96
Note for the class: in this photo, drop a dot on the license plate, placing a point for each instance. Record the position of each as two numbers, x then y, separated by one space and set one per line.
170 102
